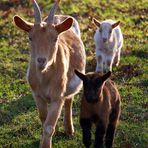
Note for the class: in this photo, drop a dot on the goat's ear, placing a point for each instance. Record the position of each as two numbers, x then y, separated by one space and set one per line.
65 25
96 22
115 24
106 76
22 24
80 75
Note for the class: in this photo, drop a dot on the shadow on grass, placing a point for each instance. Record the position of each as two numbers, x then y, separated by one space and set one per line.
17 107
6 5
34 144
140 54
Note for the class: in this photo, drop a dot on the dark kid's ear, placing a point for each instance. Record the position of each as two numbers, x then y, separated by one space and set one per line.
106 76
96 22
80 75
22 24
65 25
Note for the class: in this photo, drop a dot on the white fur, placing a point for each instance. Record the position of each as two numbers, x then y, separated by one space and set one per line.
74 85
76 28
108 50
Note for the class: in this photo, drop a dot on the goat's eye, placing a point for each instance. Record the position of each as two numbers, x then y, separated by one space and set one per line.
100 30
30 38
110 31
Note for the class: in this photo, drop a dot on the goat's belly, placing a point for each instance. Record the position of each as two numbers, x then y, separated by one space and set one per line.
73 86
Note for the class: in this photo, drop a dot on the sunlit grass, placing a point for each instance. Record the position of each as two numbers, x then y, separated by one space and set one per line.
20 126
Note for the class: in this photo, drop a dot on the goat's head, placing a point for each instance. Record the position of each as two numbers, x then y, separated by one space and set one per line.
43 35
92 84
105 29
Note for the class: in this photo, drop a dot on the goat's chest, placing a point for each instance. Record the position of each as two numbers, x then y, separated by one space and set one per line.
40 86
106 49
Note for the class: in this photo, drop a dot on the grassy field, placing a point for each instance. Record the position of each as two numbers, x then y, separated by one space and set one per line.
19 123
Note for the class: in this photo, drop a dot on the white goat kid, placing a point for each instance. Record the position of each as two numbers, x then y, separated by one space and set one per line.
56 50
108 41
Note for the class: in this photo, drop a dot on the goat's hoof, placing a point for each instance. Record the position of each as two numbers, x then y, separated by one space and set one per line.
117 64
69 132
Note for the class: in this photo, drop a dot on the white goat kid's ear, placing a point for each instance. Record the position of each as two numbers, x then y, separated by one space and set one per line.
106 76
115 24
80 75
96 22
22 24
65 25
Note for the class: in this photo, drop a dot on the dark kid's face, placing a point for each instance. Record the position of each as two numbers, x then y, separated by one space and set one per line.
92 88
92 83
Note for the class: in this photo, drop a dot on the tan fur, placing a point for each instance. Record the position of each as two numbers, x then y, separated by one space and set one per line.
64 51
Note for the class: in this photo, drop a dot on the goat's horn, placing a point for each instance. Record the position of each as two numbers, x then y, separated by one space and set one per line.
52 12
37 12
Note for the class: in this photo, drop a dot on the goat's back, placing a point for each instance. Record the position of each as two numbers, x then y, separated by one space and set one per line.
60 18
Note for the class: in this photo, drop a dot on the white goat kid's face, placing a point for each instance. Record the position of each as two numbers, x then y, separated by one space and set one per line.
105 32
105 29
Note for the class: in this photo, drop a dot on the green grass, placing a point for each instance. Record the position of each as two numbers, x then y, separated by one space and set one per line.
20 126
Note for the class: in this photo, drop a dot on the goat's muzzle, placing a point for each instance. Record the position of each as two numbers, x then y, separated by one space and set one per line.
41 62
104 40
92 100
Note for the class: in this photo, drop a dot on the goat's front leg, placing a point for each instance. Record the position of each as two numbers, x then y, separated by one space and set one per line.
109 64
42 107
99 60
50 123
68 123
99 135
86 130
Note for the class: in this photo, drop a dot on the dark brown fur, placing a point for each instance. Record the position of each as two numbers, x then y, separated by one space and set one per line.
104 111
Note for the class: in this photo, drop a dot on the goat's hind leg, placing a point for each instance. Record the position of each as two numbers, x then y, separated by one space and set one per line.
68 122
86 130
117 57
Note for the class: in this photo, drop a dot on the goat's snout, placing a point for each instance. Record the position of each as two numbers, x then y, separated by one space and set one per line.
41 61
104 40
91 99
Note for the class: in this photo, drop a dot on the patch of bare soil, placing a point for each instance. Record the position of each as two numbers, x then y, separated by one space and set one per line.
5 6
128 71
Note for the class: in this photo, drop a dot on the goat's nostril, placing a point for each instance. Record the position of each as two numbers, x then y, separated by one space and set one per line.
41 60
104 39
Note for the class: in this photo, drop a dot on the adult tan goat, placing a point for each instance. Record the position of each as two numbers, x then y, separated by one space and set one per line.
56 50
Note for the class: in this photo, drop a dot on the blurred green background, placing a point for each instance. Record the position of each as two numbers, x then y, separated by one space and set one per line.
20 126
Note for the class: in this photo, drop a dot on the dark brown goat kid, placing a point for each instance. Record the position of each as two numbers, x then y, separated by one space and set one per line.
100 104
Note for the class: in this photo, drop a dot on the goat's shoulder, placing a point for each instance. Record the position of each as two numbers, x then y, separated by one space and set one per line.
113 92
